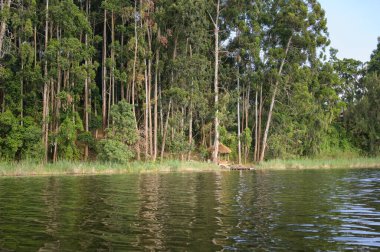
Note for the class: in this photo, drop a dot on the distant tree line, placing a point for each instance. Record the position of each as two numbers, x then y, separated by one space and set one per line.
150 79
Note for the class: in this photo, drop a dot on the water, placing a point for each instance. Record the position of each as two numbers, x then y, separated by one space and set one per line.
244 211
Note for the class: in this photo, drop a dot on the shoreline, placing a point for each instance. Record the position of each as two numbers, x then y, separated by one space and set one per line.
25 169
320 164
67 168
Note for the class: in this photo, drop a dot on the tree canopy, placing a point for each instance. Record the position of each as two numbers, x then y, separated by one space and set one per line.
115 80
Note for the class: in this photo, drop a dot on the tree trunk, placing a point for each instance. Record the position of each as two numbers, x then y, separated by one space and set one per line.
191 112
45 105
22 91
165 131
247 107
146 115
156 105
34 45
150 108
58 104
265 137
216 87
134 83
261 103
104 73
256 127
86 80
112 74
238 115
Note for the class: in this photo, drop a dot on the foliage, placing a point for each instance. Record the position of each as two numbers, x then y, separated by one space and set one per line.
123 126
19 141
374 63
11 137
120 136
67 137
155 65
363 119
229 139
114 151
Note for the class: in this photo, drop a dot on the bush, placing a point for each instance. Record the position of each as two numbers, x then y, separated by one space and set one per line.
67 137
19 142
120 135
32 148
114 151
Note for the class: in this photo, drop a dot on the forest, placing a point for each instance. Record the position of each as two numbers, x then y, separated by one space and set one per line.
122 80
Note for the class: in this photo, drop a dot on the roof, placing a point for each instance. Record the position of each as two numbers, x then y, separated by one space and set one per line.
222 149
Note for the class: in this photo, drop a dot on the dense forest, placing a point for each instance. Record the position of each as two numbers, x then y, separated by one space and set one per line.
117 80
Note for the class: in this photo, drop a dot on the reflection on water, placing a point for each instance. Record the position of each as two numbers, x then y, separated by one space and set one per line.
268 210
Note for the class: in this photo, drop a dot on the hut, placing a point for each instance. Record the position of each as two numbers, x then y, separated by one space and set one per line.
224 152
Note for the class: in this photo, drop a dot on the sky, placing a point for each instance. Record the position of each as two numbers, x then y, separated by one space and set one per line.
354 26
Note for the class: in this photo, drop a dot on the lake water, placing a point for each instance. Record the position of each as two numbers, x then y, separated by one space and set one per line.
200 211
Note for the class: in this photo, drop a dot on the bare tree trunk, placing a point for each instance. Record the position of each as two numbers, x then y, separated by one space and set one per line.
190 126
238 114
146 116
104 72
112 74
191 112
256 127
34 45
122 87
265 137
247 107
45 105
216 84
161 126
134 83
22 92
58 104
150 108
261 106
86 80
243 109
165 131
246 146
156 104
134 63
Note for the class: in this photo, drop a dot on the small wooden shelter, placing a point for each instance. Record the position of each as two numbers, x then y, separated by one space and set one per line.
224 152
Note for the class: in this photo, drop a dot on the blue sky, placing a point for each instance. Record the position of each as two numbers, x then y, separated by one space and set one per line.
354 26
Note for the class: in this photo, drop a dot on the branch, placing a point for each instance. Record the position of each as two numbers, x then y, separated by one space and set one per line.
212 20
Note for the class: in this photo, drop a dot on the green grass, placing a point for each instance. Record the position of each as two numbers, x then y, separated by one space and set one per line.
26 168
356 162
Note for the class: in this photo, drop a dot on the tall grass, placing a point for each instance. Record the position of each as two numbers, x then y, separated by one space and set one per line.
28 168
356 162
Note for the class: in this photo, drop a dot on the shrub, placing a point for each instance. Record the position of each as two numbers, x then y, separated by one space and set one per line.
114 151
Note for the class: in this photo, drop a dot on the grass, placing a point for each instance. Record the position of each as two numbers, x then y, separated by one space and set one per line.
26 168
336 163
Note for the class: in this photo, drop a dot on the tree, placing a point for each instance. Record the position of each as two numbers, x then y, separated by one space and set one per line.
374 63
363 119
215 22
120 136
297 29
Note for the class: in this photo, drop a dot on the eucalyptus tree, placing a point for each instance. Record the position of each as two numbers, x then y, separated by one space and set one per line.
215 22
5 6
350 72
293 32
374 63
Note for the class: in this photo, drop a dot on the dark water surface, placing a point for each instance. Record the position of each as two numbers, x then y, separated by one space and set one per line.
244 211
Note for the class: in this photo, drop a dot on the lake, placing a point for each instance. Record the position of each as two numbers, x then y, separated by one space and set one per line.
200 211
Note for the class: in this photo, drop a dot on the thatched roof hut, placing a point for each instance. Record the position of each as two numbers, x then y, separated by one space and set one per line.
222 149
